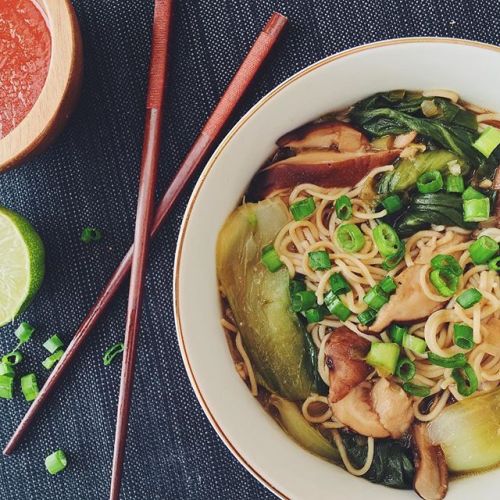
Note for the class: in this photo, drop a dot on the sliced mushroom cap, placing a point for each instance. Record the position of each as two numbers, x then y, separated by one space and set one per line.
393 407
431 471
356 412
326 168
344 356
326 135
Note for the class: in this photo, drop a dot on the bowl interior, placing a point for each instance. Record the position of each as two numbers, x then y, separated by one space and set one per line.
333 83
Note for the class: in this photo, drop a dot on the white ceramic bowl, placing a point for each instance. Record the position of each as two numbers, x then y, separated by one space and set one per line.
473 70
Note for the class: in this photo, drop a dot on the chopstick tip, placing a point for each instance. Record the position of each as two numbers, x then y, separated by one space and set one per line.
276 23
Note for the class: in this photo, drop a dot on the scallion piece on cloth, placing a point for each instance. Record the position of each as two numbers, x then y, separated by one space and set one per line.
483 249
350 238
457 361
112 352
445 281
494 264
375 298
51 360
314 315
383 356
472 194
397 333
29 386
469 297
91 234
443 261
405 369
392 204
336 306
463 336
430 182
476 210
6 369
488 141
56 462
386 239
421 391
338 284
303 208
53 344
343 207
271 259
319 260
367 317
455 184
388 285
6 386
24 332
303 300
414 344
466 380
12 358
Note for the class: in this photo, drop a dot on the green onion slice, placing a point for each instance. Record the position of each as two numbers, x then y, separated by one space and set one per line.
91 234
421 391
392 204
455 184
483 249
466 380
430 182
472 194
6 369
367 317
383 356
336 306
469 297
301 301
50 361
415 344
375 298
343 207
456 361
296 286
476 210
271 259
463 336
6 386
338 284
444 281
12 358
350 238
488 141
24 332
29 386
405 369
392 261
56 462
314 315
443 261
303 208
112 352
319 260
397 333
388 285
386 239
53 344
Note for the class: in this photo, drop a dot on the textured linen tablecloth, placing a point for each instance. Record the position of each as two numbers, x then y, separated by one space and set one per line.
89 177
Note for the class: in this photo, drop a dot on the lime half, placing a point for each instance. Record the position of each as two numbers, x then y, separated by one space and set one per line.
22 264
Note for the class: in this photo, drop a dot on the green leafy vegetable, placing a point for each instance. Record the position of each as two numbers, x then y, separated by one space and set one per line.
407 171
272 334
392 465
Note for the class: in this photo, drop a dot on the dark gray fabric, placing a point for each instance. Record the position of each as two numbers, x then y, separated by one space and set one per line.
89 177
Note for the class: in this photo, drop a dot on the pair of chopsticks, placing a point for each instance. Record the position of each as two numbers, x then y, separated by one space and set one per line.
147 223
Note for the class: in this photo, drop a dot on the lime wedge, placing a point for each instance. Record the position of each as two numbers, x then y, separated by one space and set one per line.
22 264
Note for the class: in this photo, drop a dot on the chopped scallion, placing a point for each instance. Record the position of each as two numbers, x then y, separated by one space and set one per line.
388 285
405 369
12 358
383 356
397 333
343 207
112 352
6 386
483 249
455 184
91 234
338 284
56 462
445 281
303 300
29 386
392 204
494 264
336 306
415 344
53 344
350 238
430 182
444 261
319 260
466 379
367 317
24 332
457 361
488 141
463 336
303 208
476 210
375 298
51 360
421 391
469 297
271 259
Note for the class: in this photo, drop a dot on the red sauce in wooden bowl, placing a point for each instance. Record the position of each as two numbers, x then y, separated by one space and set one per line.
25 46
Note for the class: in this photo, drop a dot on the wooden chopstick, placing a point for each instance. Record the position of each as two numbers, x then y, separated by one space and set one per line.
233 94
162 21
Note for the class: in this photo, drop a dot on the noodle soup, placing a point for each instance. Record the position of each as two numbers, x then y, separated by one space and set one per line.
361 289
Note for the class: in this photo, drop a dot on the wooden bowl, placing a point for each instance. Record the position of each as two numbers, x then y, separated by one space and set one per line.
58 97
